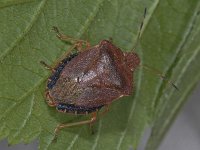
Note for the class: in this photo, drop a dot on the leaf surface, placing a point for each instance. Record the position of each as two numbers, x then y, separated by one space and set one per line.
169 42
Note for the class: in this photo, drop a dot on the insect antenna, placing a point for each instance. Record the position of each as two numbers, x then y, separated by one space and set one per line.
160 75
140 30
145 66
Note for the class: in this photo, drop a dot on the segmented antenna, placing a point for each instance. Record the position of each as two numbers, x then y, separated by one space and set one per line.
160 75
145 66
140 29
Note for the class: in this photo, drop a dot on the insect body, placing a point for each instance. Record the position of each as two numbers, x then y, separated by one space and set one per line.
95 77
92 78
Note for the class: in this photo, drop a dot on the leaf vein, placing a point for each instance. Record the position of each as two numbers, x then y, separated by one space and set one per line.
98 135
26 118
91 17
180 46
73 141
27 29
20 99
173 111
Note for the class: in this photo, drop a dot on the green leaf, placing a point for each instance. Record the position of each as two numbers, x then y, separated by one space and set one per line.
169 42
184 68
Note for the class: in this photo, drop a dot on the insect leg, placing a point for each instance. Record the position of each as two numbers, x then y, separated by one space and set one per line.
62 36
100 115
105 110
67 125
67 53
49 100
79 43
47 66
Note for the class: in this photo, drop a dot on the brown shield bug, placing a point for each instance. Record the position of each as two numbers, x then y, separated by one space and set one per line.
91 78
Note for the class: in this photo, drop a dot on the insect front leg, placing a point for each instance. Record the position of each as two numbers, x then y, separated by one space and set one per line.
77 42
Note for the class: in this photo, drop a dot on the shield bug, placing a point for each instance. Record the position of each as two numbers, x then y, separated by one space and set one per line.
91 78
